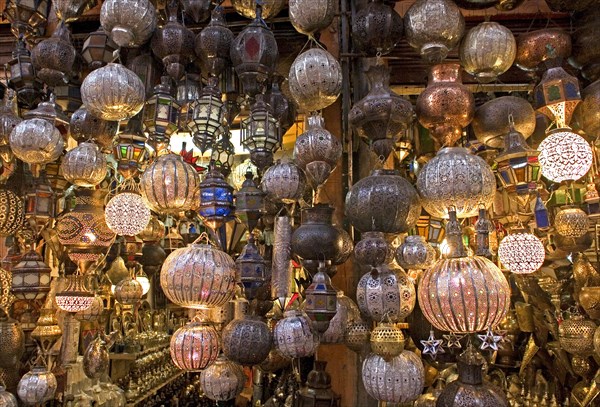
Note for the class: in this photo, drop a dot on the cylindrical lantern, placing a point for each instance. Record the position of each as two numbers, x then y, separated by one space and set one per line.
281 271
321 299
223 380
294 336
194 346
216 199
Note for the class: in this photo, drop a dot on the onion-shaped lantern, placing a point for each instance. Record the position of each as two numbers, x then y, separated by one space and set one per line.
254 54
51 112
12 212
317 151
521 253
161 112
127 214
536 47
36 142
85 165
557 95
454 177
129 23
310 16
216 199
284 182
84 126
223 380
22 76
372 200
97 49
586 114
564 155
373 249
213 44
8 120
208 118
169 185
571 222
198 276
37 386
415 253
315 79
53 57
399 380
129 291
433 28
377 28
195 346
247 341
294 336
75 297
113 92
261 133
7 399
173 43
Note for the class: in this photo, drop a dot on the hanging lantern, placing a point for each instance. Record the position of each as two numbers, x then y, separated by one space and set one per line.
113 92
75 297
198 276
357 335
317 238
315 79
7 399
26 17
97 49
284 182
521 253
247 341
40 202
198 10
129 291
372 200
13 341
12 212
213 44
129 23
269 8
22 76
216 200
377 28
387 340
293 335
148 69
84 166
261 133
223 154
86 127
283 109
415 253
169 185
254 54
576 335
96 359
47 331
373 249
347 313
317 151
161 112
6 296
129 149
37 386
94 312
321 300
399 380
564 155
249 202
207 123
586 114
51 112
433 28
487 51
36 142
223 380
536 47
8 120
195 346
53 58
31 277
69 11
127 214
252 269
557 95
310 16
188 91
572 222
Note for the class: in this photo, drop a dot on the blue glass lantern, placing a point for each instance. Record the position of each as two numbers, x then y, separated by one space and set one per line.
216 199
252 269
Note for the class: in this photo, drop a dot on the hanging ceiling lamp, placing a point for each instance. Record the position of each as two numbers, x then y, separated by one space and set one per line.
564 155
571 222
213 44
208 118
252 269
8 119
130 150
86 127
75 297
194 346
557 95
53 58
284 182
216 199
261 133
36 142
587 115
68 10
534 48
161 113
27 17
51 112
84 166
97 49
521 252
12 212
223 154
311 16
37 386
284 110
126 213
31 277
197 10
223 380
129 23
377 28
129 291
22 76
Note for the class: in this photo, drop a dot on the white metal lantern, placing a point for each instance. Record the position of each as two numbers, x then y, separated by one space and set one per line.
564 156
521 253
127 214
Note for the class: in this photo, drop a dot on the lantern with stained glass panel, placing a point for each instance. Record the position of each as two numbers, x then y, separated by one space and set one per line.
557 95
22 76
261 133
98 49
26 16
208 117
249 202
223 154
130 149
161 112
233 99
216 199
431 228
188 90
40 201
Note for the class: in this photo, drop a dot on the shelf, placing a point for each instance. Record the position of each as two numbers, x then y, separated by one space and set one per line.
154 390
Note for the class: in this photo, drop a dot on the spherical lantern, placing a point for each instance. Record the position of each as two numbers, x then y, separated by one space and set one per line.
127 214
37 386
538 46
75 297
12 212
53 57
7 399
310 16
373 249
357 335
113 92
433 28
129 23
399 380
586 114
85 165
385 293
213 43
85 127
94 312
576 335
415 253
487 51
377 28
284 182
129 291
387 340
383 202
36 141
521 253
247 341
31 277
564 156
454 177
315 79
198 276
194 346
571 222
223 380
294 336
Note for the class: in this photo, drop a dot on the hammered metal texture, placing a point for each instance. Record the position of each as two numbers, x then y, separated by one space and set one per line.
12 212
247 341
194 346
459 394
284 182
281 266
12 342
222 380
129 23
84 126
294 336
84 166
310 16
535 47
377 28
36 141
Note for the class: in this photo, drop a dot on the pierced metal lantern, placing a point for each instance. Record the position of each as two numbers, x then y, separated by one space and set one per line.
223 380
12 212
321 301
148 69
521 253
377 28
269 8
94 312
433 28
13 341
161 112
372 200
208 118
247 341
97 49
27 17
284 182
22 76
53 57
586 115
37 386
223 154
173 43
373 249
85 165
415 253
188 91
129 23
129 149
127 214
576 335
294 336
68 10
315 79
347 313
216 199
254 55
129 291
557 95
249 202
36 142
536 47
571 222
564 155
283 109
8 119
252 269
387 340
51 112
169 185
198 276
47 331
487 51
311 16
7 399
317 151
261 133
213 44
84 126
75 297
31 277
197 10
195 346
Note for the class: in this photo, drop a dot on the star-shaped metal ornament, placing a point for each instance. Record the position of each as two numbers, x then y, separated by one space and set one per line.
432 346
453 340
489 340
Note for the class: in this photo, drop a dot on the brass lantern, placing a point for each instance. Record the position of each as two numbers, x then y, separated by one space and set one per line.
40 201
213 44
27 16
261 133
161 112
22 76
98 49
208 117
69 10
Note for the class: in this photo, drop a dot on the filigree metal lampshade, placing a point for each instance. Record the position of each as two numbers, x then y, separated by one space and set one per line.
207 122
377 28
399 380
321 300
12 212
557 95
571 222
75 297
261 133
53 57
84 166
521 253
161 112
36 141
310 16
129 23
127 214
252 269
53 113
195 346
129 291
284 182
37 386
223 380
22 76
84 126
97 49
564 156
294 336
213 44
